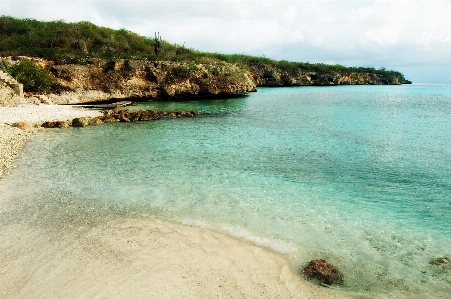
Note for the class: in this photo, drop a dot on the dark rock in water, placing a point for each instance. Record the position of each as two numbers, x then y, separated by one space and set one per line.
108 119
114 115
96 121
124 116
80 122
145 115
440 261
48 124
62 124
324 272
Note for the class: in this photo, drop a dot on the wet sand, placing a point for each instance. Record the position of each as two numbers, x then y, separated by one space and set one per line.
120 256
144 258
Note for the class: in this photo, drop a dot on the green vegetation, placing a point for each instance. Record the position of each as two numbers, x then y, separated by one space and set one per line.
298 67
33 77
78 42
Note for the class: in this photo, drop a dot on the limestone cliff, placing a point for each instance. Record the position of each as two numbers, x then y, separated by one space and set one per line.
268 75
101 80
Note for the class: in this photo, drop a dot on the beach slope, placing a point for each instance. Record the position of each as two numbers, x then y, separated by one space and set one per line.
43 255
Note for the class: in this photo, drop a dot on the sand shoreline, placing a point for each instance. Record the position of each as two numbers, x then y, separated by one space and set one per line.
12 138
128 257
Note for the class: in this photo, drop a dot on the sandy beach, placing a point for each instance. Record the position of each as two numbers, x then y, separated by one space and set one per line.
124 256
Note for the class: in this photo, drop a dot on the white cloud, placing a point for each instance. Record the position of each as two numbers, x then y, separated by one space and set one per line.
370 33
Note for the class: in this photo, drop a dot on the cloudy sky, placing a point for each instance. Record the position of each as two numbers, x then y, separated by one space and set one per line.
413 37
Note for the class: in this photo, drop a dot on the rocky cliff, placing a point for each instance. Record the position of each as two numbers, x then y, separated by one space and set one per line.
99 80
102 80
268 75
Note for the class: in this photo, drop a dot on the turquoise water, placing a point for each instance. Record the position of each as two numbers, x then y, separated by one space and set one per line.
359 175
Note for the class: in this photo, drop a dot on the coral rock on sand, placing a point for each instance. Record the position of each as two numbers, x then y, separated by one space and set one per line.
324 272
21 125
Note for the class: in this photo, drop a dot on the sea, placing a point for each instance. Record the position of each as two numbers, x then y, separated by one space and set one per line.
357 175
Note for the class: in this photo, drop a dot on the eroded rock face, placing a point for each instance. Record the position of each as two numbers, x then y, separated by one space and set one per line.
322 271
101 80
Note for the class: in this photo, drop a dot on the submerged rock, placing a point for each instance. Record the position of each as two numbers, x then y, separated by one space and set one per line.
322 271
440 261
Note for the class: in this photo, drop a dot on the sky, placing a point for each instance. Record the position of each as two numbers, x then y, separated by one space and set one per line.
413 37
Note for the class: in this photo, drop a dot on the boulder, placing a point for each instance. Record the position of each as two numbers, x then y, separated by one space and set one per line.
96 121
109 119
124 116
48 124
80 122
21 125
62 124
326 273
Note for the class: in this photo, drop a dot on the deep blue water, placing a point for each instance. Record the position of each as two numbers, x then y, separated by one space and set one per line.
359 175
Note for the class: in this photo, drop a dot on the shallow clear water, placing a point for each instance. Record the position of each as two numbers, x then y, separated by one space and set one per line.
359 175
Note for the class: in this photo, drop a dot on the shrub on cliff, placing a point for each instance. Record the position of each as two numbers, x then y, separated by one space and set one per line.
184 70
33 77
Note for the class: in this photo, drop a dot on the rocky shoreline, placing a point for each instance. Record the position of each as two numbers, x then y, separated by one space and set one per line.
101 80
20 123
114 115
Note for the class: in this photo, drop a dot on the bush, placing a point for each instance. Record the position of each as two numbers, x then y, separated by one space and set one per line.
184 70
32 76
